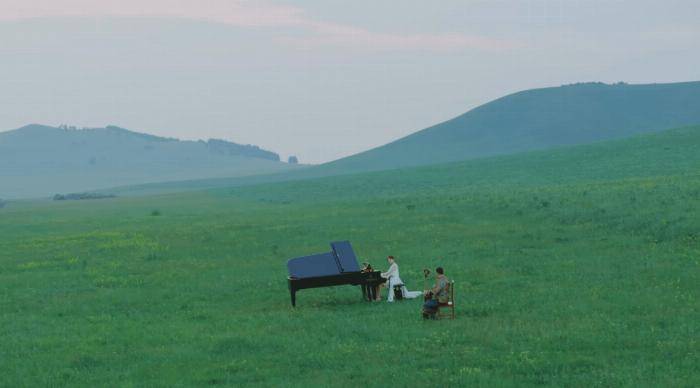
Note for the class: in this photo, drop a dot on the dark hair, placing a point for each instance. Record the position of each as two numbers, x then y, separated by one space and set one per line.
440 270
391 257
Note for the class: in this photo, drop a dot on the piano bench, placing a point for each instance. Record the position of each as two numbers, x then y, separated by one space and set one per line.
398 291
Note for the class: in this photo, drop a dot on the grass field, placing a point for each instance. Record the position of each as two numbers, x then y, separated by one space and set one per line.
574 267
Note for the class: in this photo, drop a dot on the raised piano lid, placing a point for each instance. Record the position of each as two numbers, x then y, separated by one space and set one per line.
346 256
322 264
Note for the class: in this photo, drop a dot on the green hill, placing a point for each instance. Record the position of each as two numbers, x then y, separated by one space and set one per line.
640 155
525 121
573 267
667 153
38 160
538 119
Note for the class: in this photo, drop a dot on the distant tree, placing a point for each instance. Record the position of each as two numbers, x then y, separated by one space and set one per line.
228 148
293 160
2 203
81 196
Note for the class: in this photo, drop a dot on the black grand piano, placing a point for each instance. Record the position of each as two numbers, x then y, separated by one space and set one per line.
334 268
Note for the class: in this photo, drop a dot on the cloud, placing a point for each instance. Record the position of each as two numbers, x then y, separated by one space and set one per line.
331 34
248 13
235 12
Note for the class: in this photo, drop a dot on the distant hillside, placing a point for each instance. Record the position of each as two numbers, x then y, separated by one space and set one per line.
537 119
668 152
526 121
39 160
671 154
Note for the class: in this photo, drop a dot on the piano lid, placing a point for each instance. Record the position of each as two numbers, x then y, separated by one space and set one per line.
322 264
347 262
340 260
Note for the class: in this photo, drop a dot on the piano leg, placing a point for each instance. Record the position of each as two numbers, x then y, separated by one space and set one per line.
293 293
369 292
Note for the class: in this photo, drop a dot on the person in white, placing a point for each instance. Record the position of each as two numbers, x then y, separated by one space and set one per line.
393 279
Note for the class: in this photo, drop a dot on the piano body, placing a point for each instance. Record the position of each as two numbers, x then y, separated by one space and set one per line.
334 268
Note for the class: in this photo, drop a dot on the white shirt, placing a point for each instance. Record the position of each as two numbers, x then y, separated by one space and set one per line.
393 271
392 274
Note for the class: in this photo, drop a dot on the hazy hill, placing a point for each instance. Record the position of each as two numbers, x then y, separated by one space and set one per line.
664 152
525 121
538 119
39 160
673 153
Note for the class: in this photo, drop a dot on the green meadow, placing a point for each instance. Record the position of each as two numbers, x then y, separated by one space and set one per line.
577 266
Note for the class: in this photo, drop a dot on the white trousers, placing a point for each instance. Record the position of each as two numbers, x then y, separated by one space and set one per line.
395 280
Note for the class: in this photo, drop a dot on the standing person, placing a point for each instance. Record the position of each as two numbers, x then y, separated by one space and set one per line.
393 279
438 294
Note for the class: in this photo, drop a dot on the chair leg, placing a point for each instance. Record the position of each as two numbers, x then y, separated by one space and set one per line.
440 314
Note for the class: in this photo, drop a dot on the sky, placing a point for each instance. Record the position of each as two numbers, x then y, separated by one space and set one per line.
320 79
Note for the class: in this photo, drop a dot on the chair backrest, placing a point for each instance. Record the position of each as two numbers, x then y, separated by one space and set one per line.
452 291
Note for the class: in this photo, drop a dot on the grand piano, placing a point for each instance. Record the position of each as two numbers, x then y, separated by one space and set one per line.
334 268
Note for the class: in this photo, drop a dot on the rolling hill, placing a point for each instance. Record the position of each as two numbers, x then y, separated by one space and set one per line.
38 160
538 119
671 153
526 121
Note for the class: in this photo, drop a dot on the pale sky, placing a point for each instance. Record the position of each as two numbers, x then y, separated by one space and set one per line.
320 79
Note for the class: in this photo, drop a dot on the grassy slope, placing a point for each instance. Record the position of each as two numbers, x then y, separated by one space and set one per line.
575 267
524 121
539 119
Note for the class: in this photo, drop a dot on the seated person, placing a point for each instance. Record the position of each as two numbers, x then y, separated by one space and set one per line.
393 279
437 295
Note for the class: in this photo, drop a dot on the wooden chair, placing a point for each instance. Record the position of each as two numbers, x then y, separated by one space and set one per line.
450 303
